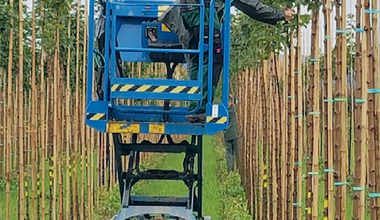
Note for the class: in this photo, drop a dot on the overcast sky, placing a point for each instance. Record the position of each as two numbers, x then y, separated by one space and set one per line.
305 31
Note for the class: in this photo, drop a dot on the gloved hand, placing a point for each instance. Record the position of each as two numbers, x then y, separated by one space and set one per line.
289 13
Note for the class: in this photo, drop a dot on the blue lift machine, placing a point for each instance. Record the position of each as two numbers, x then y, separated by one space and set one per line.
133 34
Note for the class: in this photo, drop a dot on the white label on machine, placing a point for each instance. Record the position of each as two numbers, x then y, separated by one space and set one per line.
215 111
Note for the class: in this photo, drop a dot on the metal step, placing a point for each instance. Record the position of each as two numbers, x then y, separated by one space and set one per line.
158 201
132 211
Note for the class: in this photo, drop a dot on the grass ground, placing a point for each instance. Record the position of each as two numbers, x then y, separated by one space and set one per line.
223 196
14 206
211 190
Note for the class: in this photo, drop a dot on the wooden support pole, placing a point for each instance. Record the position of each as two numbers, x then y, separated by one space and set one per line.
55 127
298 71
371 178
272 109
3 119
76 159
360 120
278 132
328 102
3 104
9 117
284 128
42 132
375 37
314 154
85 145
245 136
253 142
21 112
68 129
34 117
265 136
340 113
292 129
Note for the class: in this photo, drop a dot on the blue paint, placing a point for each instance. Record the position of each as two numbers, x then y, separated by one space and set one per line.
125 26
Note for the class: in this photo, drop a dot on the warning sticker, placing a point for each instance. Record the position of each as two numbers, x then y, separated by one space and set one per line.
157 128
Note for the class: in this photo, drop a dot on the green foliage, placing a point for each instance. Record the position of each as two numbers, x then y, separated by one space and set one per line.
13 184
234 204
109 204
252 41
51 16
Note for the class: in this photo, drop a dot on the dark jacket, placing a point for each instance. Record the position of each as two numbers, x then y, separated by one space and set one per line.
259 11
232 130
253 8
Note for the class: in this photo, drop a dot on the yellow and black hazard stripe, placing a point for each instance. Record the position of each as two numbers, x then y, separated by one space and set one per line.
155 89
217 120
96 116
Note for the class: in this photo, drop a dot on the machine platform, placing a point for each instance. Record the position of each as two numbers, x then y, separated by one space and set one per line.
128 31
135 35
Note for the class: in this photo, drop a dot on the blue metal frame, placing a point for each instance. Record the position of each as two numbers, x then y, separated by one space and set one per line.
107 105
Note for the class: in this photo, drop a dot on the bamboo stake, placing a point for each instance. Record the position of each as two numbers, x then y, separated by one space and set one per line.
274 142
83 168
284 120
61 113
309 138
260 152
34 120
299 120
55 128
371 115
87 169
9 117
3 124
343 115
92 152
43 141
375 37
68 126
249 141
265 141
292 125
26 152
112 158
251 146
272 154
255 145
258 144
42 131
49 135
269 202
104 156
329 184
339 127
360 121
264 136
28 128
278 139
101 162
244 167
316 129
83 126
240 122
20 112
15 165
76 121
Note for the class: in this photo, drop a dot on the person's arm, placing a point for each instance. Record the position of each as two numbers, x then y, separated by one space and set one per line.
259 11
